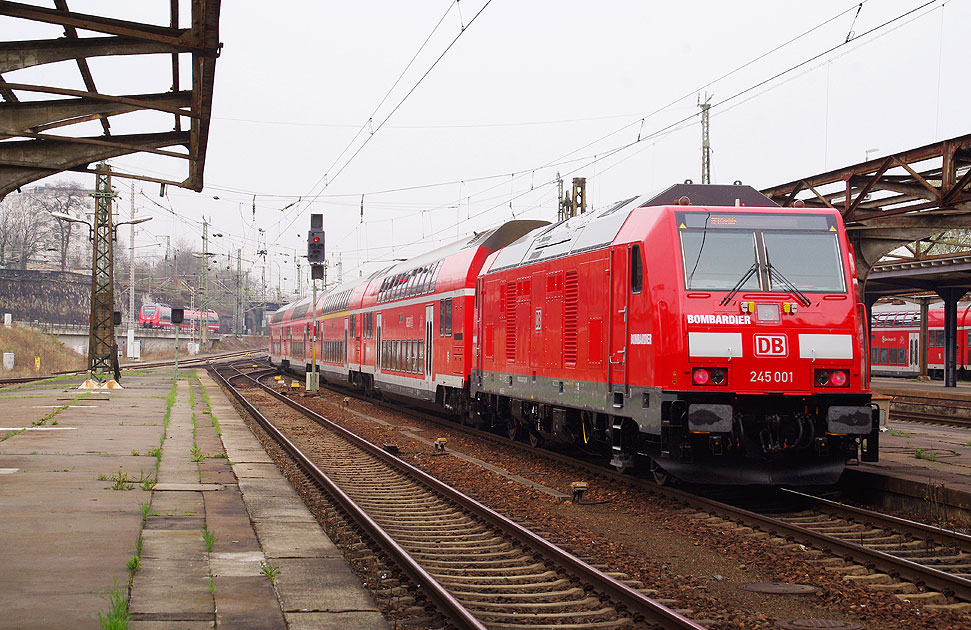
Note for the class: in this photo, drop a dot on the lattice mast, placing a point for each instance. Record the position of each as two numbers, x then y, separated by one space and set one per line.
101 335
705 140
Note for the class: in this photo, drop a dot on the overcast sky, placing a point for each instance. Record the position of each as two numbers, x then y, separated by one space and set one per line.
526 90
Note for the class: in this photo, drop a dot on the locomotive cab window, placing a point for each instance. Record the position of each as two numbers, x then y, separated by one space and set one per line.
636 270
760 252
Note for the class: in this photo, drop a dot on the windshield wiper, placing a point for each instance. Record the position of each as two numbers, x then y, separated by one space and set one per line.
785 281
739 284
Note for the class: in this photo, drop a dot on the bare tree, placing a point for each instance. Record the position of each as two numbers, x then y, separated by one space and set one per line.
26 229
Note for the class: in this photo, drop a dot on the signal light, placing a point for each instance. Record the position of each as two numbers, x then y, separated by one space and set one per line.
709 376
831 378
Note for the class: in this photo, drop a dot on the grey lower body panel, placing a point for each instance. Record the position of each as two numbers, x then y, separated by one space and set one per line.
641 404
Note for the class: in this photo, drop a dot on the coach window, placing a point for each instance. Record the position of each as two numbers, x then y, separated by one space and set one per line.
636 270
448 317
352 320
883 355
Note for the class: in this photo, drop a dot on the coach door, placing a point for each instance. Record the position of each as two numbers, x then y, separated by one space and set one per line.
617 322
913 352
379 351
347 349
429 323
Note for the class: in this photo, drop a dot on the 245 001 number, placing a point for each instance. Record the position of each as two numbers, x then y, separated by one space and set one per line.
768 376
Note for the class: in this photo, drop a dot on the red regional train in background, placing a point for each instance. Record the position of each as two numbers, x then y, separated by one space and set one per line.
160 316
705 333
895 341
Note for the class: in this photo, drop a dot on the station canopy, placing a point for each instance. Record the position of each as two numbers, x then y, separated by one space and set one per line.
81 87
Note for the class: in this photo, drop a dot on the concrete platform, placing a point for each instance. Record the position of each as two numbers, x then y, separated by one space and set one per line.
925 389
83 490
922 468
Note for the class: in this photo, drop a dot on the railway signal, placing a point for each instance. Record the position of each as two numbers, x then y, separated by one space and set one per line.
315 240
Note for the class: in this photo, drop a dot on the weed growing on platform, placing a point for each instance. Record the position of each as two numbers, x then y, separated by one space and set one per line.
135 453
897 433
134 564
120 480
145 507
212 587
920 454
33 452
209 538
10 434
271 572
147 482
117 617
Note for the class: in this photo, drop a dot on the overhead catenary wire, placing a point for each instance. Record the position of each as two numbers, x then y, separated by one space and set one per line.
720 104
395 109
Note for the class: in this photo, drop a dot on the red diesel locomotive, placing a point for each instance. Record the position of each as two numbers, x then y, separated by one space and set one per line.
719 342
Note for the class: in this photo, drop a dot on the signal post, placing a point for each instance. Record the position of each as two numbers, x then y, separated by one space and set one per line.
315 256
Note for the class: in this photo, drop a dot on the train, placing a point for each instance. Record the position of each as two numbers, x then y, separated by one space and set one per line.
703 333
895 341
153 315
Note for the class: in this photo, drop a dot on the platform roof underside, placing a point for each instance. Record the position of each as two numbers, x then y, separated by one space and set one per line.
47 128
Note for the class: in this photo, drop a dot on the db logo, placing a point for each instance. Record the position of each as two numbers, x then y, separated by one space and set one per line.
771 346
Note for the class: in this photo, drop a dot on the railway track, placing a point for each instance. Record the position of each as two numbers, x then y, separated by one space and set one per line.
912 559
479 568
188 362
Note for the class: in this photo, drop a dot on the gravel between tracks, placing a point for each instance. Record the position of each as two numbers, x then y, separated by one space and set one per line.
692 564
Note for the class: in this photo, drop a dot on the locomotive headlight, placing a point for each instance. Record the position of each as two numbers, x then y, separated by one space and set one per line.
831 378
702 376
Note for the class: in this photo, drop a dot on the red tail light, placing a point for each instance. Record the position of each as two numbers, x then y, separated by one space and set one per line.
699 376
831 378
709 376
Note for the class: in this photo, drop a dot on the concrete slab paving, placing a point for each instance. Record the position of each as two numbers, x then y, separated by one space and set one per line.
348 620
296 539
308 584
69 535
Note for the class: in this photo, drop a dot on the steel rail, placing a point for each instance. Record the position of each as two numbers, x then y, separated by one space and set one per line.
444 600
914 528
897 567
635 602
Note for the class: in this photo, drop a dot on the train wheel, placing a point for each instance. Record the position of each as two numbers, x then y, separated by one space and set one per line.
661 476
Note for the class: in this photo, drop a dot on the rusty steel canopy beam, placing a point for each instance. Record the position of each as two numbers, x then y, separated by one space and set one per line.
43 153
856 181
109 26
25 161
25 54
28 115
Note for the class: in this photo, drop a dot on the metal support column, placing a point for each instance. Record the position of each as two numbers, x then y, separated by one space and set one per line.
101 336
950 297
